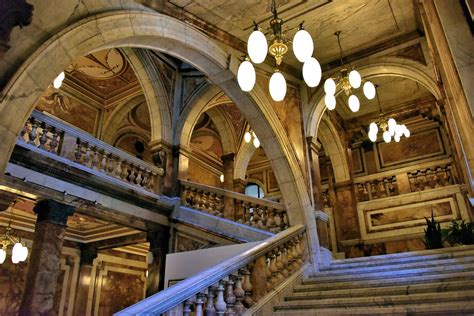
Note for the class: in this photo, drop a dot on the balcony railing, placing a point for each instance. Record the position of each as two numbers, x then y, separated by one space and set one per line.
61 141
259 213
234 285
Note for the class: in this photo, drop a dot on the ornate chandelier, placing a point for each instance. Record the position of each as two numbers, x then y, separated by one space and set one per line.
347 81
19 250
389 127
257 48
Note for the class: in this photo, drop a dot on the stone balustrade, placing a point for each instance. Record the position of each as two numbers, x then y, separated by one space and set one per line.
259 213
48 135
376 188
232 286
430 178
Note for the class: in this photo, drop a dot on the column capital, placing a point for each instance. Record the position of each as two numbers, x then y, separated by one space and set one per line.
52 211
228 157
88 254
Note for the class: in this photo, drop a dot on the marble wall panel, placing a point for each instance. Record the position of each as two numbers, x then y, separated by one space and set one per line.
200 174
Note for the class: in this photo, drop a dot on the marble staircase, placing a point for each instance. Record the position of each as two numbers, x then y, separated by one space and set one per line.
431 282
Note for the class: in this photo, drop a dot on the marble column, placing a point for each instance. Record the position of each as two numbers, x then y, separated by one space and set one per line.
314 147
345 213
167 156
322 222
43 263
159 241
88 254
228 166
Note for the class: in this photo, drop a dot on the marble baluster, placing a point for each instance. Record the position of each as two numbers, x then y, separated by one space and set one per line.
187 307
230 297
198 310
33 132
247 287
209 310
220 304
239 294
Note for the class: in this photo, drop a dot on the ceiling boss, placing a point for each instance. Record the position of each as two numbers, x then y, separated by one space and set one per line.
257 49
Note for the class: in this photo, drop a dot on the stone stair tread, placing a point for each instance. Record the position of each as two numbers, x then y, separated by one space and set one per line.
398 265
384 290
396 256
392 273
315 285
393 300
439 308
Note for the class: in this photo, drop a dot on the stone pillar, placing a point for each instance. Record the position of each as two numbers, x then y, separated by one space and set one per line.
239 185
88 254
228 165
166 156
159 242
314 147
345 211
322 221
43 264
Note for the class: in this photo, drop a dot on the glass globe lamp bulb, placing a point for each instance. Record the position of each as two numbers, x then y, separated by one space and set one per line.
256 142
373 136
399 130
59 80
257 47
396 138
373 127
247 137
23 253
354 103
3 255
386 136
221 178
406 133
330 86
277 86
16 252
303 45
354 79
312 72
391 124
330 101
369 90
246 76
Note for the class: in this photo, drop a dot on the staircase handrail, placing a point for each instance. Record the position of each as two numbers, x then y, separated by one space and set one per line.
170 298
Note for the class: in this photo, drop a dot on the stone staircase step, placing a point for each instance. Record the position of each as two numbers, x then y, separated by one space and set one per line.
401 257
458 285
446 259
377 301
439 308
392 274
445 277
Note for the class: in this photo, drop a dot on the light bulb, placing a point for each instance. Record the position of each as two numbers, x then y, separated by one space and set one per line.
330 86
221 178
354 79
399 130
246 76
16 252
354 103
406 133
59 80
396 138
386 136
373 127
277 86
369 90
247 137
330 101
303 45
256 142
312 72
373 135
257 47
392 124
23 253
3 255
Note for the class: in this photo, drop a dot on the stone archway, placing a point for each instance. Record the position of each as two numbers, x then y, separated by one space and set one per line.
166 34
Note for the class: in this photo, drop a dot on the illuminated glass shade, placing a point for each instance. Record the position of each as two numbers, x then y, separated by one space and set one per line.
406 133
373 135
277 86
256 142
247 137
391 125
354 103
330 101
369 90
3 255
246 76
373 127
312 72
303 45
330 86
23 253
16 252
257 47
59 80
396 138
386 136
221 178
354 79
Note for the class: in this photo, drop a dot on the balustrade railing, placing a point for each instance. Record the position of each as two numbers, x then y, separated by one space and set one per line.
430 178
377 188
62 140
259 213
234 285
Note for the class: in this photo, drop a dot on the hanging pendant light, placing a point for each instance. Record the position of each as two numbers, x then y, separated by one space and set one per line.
354 103
256 142
59 80
369 90
386 137
277 86
3 255
330 86
247 137
303 45
354 79
257 46
311 72
246 75
330 101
